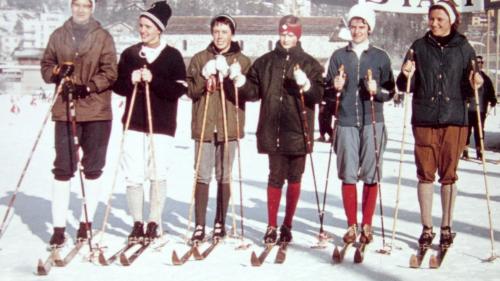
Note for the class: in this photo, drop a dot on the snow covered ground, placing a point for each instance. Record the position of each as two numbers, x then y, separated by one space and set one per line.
30 226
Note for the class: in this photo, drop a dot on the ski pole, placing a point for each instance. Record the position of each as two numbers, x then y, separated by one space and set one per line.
402 151
152 151
3 226
226 151
76 147
198 157
307 140
481 141
237 109
120 155
377 158
332 143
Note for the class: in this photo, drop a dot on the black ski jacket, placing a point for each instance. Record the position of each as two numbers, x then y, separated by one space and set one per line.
486 95
270 79
440 84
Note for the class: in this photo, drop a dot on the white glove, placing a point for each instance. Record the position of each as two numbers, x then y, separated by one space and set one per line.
234 70
235 74
372 87
136 76
209 69
147 76
221 65
339 82
301 79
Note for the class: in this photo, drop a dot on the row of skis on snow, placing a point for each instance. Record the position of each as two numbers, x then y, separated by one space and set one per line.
130 252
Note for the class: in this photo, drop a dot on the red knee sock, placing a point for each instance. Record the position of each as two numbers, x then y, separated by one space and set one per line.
273 204
292 198
349 198
369 202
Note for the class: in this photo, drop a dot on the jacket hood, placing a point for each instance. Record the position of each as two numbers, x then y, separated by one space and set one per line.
233 49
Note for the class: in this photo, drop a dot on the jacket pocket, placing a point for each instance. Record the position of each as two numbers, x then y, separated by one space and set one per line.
425 111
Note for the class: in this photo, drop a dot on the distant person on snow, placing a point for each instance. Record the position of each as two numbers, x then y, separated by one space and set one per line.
222 59
355 140
441 83
486 95
154 62
81 43
278 79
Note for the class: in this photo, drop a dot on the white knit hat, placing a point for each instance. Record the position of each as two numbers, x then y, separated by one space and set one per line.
91 1
362 11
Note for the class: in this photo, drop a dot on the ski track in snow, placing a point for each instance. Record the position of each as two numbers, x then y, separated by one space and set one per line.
30 228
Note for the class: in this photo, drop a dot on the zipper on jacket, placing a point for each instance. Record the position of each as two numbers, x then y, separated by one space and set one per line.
356 103
281 99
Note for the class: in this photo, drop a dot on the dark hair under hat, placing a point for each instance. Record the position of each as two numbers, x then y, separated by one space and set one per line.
226 19
159 13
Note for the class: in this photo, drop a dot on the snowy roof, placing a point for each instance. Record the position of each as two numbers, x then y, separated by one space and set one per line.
35 53
252 25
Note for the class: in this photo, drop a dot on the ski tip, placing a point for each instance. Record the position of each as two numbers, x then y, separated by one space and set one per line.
433 262
358 256
102 259
414 262
255 260
124 260
175 258
41 268
336 255
280 257
196 254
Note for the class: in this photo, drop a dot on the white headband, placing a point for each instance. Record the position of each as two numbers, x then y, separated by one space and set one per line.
448 9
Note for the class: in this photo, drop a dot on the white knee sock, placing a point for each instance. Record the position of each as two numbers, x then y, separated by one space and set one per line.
157 196
92 192
60 202
135 200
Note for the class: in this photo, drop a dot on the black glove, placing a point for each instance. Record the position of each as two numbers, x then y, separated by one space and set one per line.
66 70
77 91
81 91
63 71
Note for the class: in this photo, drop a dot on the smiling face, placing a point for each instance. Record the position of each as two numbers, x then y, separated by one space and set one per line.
150 34
81 10
222 37
288 40
439 23
359 30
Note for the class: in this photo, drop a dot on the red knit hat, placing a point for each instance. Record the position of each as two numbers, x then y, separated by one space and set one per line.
290 24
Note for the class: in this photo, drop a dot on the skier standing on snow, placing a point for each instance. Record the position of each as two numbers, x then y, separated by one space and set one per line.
222 58
81 42
441 83
355 145
278 79
486 95
162 67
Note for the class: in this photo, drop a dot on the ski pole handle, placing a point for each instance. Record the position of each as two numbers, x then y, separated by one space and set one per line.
369 77
475 70
409 57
